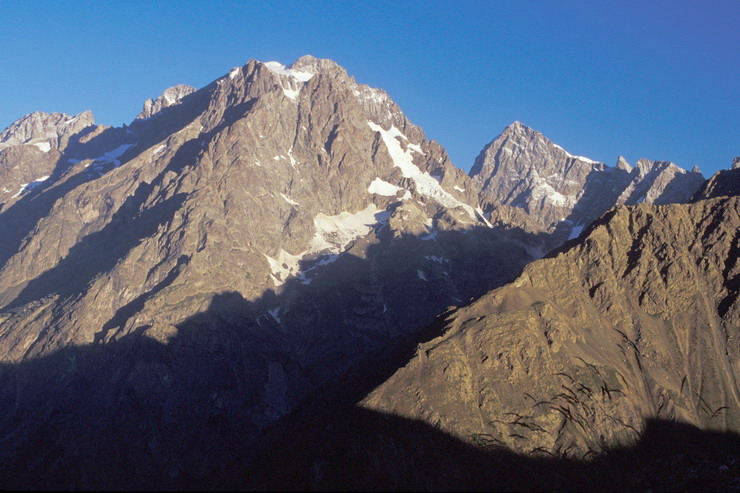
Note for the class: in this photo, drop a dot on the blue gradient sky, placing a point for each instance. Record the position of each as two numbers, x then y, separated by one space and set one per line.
650 79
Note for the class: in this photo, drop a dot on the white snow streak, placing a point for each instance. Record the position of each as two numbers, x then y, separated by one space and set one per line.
425 184
112 156
27 187
334 233
288 199
581 158
296 79
483 217
275 313
435 258
279 68
381 187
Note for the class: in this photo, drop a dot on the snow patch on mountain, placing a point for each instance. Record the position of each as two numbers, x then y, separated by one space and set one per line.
435 258
381 187
43 146
425 184
27 187
576 231
279 68
112 156
581 158
291 80
333 235
283 266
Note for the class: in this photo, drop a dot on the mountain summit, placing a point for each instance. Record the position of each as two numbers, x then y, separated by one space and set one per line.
553 191
214 263
174 290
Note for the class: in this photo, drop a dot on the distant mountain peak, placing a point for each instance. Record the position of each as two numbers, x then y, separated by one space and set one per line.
623 164
169 97
44 128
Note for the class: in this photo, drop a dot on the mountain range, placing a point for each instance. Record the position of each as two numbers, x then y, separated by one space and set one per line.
177 292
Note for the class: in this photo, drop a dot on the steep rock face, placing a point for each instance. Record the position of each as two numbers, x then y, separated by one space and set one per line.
31 147
44 130
724 183
640 319
560 193
191 278
171 96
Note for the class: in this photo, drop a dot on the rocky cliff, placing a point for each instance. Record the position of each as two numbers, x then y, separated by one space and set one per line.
526 179
177 288
180 283
170 97
639 319
31 148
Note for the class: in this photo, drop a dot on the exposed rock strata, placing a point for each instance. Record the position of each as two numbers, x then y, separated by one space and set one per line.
639 319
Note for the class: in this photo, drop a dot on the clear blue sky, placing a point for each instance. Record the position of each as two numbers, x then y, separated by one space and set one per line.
645 78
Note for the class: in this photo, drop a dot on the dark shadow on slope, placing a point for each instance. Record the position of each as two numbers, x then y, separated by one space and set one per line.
131 222
724 183
135 413
680 189
99 252
363 450
600 192
21 218
138 414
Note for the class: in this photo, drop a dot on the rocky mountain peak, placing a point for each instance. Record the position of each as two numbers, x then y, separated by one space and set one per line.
736 163
643 166
309 63
204 271
623 165
559 192
44 129
170 97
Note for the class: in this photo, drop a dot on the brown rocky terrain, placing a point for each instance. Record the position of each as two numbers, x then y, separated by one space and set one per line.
181 283
240 256
31 147
170 97
638 320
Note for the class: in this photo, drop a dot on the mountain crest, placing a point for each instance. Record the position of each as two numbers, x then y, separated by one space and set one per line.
169 97
44 129
623 165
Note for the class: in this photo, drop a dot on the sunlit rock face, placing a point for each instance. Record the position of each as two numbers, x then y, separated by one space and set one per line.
526 179
173 289
192 277
638 320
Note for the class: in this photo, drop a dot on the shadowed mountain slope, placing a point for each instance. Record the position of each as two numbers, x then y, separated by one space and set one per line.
174 290
639 319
